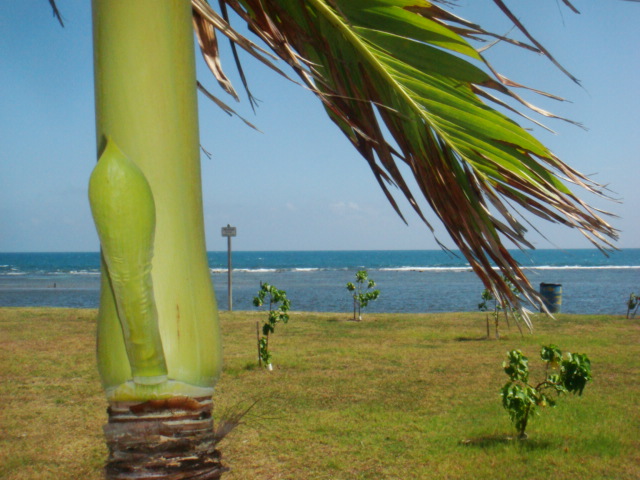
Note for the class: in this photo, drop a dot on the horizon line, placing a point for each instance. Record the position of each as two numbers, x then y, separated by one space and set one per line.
595 249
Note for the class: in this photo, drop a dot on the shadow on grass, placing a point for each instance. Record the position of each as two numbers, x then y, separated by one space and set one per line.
488 441
473 339
341 320
482 339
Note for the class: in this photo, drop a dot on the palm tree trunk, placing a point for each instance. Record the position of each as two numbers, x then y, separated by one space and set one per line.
145 442
160 424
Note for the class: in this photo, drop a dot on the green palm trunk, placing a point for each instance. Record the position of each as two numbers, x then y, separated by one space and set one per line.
159 348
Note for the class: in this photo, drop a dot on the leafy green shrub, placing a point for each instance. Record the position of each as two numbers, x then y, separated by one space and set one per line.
362 295
279 305
564 374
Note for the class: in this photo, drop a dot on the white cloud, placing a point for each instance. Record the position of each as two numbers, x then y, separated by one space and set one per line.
344 208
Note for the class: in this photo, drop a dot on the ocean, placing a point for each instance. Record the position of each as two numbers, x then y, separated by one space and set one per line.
409 281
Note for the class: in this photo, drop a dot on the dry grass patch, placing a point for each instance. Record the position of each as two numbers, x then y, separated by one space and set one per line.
52 404
391 397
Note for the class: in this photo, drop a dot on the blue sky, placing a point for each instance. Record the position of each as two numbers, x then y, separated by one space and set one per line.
299 185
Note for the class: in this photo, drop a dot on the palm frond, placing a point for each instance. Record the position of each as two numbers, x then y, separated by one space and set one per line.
56 12
403 83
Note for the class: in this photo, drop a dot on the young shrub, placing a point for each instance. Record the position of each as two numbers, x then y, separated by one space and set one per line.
362 295
483 306
564 374
279 305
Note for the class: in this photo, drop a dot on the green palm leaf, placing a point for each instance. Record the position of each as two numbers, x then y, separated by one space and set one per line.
404 85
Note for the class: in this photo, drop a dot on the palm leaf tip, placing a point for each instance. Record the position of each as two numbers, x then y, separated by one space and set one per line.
402 82
56 12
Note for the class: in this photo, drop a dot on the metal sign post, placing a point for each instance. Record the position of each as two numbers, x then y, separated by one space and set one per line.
229 232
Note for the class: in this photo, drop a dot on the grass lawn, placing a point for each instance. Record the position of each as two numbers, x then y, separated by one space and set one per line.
396 396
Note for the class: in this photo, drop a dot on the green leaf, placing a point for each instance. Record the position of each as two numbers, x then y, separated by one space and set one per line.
401 22
552 355
517 366
575 372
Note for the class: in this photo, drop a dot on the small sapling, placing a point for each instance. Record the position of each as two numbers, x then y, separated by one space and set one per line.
279 306
564 374
362 294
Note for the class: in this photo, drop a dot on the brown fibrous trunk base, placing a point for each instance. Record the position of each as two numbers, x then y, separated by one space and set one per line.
170 439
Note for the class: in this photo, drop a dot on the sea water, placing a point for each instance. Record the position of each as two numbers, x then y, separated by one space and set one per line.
409 281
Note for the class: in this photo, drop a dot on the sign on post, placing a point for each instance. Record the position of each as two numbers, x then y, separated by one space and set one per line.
229 232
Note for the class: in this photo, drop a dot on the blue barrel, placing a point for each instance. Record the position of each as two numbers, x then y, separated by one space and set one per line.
551 294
